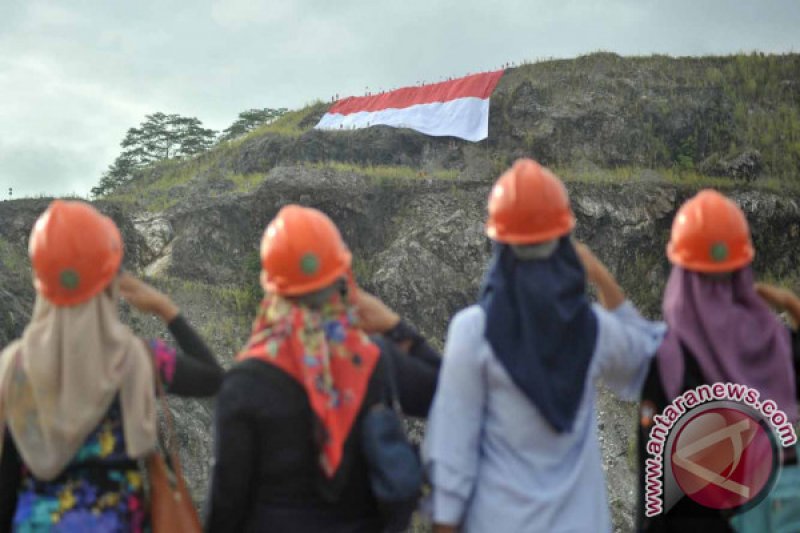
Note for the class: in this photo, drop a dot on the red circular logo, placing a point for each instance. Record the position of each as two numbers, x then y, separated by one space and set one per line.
724 458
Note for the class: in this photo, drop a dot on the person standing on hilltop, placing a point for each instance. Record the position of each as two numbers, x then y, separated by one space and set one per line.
511 443
290 418
721 330
77 391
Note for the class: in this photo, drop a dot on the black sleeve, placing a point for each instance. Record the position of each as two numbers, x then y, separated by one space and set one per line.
235 446
10 477
419 347
415 380
197 372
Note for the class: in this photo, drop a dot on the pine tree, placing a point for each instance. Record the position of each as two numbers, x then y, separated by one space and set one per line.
159 137
250 120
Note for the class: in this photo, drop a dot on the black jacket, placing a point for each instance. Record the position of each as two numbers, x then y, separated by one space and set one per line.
266 474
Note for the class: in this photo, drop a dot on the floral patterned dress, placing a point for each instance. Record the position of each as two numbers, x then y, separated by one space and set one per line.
101 489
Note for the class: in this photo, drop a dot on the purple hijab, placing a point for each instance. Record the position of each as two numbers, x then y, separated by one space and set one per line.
731 333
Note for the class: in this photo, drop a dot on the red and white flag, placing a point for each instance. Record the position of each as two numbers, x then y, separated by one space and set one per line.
458 108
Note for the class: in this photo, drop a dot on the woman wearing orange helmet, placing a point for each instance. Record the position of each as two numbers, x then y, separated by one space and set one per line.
720 330
288 455
511 443
77 390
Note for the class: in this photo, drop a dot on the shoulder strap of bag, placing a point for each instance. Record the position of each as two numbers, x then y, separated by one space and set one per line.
170 442
390 385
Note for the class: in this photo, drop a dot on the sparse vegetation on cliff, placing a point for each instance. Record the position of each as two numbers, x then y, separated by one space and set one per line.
713 121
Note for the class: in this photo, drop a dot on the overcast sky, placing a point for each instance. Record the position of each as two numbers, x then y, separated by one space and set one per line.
74 76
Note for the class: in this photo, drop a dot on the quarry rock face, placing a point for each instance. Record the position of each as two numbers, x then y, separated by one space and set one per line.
156 231
417 243
745 166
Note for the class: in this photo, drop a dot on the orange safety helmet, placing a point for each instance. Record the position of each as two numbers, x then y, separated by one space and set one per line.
75 252
301 252
710 234
528 205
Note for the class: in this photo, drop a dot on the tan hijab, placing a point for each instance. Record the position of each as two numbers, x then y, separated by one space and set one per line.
58 381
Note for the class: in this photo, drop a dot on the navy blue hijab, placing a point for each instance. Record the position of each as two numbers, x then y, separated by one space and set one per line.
541 327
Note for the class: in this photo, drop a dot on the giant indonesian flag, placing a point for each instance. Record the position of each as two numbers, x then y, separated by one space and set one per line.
459 108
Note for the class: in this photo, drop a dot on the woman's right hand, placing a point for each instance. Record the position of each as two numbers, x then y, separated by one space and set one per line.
777 297
608 290
374 316
781 299
591 264
146 298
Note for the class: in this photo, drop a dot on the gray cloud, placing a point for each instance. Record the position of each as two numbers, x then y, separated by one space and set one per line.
74 76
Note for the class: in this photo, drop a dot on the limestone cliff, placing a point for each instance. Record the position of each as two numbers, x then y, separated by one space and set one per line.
417 243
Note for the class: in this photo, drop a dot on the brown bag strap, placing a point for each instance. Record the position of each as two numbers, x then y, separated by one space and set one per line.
170 442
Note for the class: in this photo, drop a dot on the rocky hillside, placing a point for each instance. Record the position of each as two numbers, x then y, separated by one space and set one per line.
735 118
412 207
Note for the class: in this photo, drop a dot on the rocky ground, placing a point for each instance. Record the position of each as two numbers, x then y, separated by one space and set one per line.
418 243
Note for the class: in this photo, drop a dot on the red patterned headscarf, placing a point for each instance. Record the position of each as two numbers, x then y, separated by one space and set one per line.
325 351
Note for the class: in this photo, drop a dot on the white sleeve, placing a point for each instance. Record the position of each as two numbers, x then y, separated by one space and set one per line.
452 439
626 343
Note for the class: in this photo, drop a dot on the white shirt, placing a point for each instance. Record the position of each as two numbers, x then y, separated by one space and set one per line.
496 463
